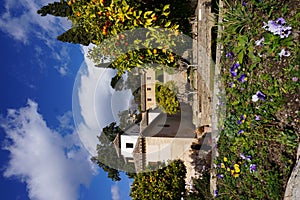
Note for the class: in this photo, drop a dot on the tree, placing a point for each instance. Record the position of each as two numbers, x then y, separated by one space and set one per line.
61 9
166 97
76 35
93 21
201 188
117 83
107 157
113 174
110 132
165 183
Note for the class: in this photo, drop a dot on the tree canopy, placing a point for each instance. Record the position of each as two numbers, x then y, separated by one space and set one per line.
166 183
107 157
166 97
61 9
94 21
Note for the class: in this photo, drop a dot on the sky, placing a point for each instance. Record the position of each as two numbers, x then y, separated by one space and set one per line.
53 104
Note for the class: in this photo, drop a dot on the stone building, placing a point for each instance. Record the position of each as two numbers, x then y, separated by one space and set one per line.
159 137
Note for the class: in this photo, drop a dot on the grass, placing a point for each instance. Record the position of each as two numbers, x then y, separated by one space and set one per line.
265 128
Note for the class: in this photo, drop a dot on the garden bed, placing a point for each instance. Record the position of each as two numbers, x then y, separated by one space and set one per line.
260 72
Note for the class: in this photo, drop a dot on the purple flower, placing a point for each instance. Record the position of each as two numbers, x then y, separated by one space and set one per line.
216 192
229 54
234 69
276 27
220 176
242 78
253 168
259 42
248 158
242 119
240 132
295 79
231 85
285 31
243 156
244 3
260 95
285 53
236 65
257 117
272 26
280 21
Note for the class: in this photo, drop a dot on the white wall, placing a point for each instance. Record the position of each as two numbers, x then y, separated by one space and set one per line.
152 116
166 149
127 152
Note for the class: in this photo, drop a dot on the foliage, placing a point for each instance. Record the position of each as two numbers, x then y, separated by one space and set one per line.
106 157
166 97
165 183
127 118
61 9
260 73
76 35
104 19
201 188
96 21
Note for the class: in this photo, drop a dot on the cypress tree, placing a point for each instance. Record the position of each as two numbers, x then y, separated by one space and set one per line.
61 9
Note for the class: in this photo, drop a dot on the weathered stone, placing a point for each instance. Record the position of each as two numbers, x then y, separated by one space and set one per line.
292 191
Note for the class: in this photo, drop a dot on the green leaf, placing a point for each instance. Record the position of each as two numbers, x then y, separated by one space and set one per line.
147 13
168 24
241 57
166 7
149 52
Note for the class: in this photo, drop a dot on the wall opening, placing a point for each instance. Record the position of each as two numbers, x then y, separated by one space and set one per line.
129 145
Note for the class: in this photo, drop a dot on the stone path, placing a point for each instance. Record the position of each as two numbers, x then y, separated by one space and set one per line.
207 90
293 187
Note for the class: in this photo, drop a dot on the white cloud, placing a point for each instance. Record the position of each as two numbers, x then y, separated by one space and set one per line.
62 70
66 121
115 192
20 21
52 166
96 101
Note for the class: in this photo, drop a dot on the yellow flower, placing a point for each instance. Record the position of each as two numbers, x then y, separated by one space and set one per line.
225 159
228 169
235 172
235 175
222 165
236 168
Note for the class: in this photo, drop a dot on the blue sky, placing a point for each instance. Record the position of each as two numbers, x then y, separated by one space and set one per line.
44 154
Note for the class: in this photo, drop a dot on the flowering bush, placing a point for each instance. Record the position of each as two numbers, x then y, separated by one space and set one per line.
260 71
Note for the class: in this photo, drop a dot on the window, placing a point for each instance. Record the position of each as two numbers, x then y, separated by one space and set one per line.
129 145
148 88
149 99
148 77
163 125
